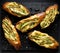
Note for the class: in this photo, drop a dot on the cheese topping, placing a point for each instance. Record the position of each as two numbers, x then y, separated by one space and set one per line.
27 24
49 18
41 39
17 9
9 30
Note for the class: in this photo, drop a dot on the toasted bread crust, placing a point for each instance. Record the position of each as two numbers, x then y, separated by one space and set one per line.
17 43
9 11
39 15
56 44
55 6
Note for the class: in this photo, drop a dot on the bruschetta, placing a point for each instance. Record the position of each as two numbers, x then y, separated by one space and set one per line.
16 9
43 39
29 23
51 13
10 33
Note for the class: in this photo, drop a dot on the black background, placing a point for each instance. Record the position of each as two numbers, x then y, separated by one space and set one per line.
35 6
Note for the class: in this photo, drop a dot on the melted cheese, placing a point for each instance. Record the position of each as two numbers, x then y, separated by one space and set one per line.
9 30
17 9
41 39
27 24
49 18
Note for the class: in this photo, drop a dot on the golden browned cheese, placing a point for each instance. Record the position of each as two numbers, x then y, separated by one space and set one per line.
30 22
10 33
16 9
43 39
51 13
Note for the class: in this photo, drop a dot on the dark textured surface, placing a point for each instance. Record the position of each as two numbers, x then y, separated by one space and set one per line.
27 45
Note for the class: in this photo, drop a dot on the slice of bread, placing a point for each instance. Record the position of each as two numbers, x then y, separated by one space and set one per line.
16 9
51 13
43 39
10 33
29 23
